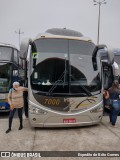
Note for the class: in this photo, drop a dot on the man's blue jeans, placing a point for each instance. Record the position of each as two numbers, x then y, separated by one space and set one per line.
115 109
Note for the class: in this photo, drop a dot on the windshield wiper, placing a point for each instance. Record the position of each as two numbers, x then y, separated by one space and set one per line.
56 83
63 76
84 88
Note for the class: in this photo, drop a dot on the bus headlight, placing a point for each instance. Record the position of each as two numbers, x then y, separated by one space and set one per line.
35 110
99 109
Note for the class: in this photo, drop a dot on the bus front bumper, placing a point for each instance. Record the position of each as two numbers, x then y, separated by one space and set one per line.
63 121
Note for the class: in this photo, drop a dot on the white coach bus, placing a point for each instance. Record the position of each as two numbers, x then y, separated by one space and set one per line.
65 78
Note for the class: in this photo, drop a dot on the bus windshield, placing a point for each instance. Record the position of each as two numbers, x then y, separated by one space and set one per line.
64 67
4 77
5 53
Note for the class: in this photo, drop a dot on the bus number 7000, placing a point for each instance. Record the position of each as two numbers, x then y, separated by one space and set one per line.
52 101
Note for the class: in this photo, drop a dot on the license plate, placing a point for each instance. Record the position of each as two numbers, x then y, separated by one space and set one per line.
2 96
69 120
2 107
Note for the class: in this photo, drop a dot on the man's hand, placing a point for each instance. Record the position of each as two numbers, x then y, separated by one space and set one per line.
11 107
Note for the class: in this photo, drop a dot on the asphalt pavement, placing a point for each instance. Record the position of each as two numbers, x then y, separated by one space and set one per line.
101 137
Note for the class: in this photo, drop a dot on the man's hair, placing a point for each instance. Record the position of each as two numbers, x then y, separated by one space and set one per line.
16 83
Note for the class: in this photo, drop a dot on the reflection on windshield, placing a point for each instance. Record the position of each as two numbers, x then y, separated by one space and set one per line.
64 67
51 76
4 77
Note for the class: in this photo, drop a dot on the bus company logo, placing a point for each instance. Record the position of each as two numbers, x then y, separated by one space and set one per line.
69 100
76 103
5 154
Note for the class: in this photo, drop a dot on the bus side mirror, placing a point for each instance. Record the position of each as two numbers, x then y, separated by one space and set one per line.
24 48
94 59
109 55
115 68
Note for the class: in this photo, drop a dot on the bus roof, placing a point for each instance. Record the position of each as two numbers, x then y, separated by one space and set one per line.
8 45
62 33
